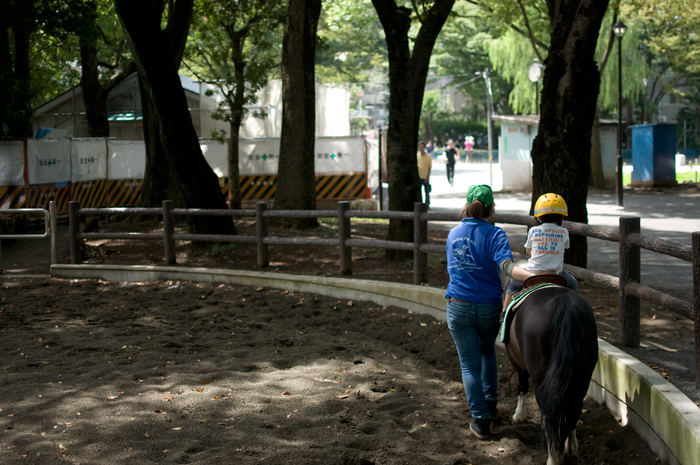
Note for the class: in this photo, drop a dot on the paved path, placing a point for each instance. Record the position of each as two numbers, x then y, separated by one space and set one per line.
670 214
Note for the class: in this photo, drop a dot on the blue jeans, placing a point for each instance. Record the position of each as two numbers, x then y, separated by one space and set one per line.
425 183
474 328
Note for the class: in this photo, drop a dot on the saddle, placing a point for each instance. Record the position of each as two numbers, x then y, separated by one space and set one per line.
551 278
531 284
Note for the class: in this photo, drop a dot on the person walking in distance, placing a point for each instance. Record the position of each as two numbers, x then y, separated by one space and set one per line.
469 147
425 163
430 148
451 153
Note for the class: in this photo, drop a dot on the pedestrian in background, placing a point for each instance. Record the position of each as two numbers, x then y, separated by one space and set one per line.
425 164
451 153
469 147
430 148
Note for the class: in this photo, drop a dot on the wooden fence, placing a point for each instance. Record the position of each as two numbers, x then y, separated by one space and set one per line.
627 235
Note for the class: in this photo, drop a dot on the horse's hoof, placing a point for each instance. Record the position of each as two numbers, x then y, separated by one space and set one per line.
517 419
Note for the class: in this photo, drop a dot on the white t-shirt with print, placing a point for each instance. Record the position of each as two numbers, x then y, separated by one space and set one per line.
548 242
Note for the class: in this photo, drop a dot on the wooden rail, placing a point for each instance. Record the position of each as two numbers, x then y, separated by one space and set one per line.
628 235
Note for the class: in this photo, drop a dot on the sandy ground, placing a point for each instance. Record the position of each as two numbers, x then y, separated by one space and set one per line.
97 373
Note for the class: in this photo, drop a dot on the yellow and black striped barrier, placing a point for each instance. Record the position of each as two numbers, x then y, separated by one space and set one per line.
39 197
90 194
258 187
328 187
126 192
123 192
12 197
341 187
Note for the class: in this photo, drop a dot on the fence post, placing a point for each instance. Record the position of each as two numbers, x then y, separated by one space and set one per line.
53 227
168 232
343 235
261 233
420 236
630 272
74 230
696 303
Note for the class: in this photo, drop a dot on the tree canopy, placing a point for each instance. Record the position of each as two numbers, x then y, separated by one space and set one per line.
233 48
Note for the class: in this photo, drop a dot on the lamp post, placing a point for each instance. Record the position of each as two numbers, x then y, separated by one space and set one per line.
534 72
619 30
489 112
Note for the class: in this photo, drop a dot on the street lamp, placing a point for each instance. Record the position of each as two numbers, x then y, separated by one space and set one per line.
489 112
619 30
534 72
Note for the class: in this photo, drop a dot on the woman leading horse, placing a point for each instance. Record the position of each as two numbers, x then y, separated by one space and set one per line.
475 252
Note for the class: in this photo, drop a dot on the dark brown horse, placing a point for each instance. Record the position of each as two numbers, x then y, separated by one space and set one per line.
553 339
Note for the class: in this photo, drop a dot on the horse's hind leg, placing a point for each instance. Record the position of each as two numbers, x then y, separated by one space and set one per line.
571 446
553 455
519 415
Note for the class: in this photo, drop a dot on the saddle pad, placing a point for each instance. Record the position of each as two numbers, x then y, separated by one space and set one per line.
518 299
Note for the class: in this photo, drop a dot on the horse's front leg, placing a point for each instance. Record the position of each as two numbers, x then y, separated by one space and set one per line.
519 415
571 446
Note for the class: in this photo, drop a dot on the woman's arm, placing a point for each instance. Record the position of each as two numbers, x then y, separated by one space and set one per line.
512 270
520 274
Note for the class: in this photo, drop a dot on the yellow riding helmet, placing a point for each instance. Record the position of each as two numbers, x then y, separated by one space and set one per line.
549 204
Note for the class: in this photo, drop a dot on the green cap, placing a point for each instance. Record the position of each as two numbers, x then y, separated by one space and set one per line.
481 192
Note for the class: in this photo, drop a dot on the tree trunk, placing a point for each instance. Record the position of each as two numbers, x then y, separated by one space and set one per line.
157 176
191 177
597 176
561 151
7 77
407 75
157 182
296 175
234 174
20 121
237 106
94 96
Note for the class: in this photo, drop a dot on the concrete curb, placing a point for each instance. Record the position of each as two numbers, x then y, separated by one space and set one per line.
660 413
657 410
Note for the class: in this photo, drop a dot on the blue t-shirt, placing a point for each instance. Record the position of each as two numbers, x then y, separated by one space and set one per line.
474 251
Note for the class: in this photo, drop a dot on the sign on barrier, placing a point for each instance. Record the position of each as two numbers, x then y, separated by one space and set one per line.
48 161
88 160
12 163
126 159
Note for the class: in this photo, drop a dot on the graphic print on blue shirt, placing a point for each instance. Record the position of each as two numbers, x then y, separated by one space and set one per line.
474 250
464 259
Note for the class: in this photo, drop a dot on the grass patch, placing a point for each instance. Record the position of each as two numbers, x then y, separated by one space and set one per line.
220 248
437 260
371 221
680 178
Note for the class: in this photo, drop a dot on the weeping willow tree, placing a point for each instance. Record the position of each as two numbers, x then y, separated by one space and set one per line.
526 41
634 71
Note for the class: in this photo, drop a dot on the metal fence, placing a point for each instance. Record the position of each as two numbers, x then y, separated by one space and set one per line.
49 228
627 235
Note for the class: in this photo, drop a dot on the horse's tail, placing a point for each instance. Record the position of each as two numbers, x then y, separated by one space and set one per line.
560 395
